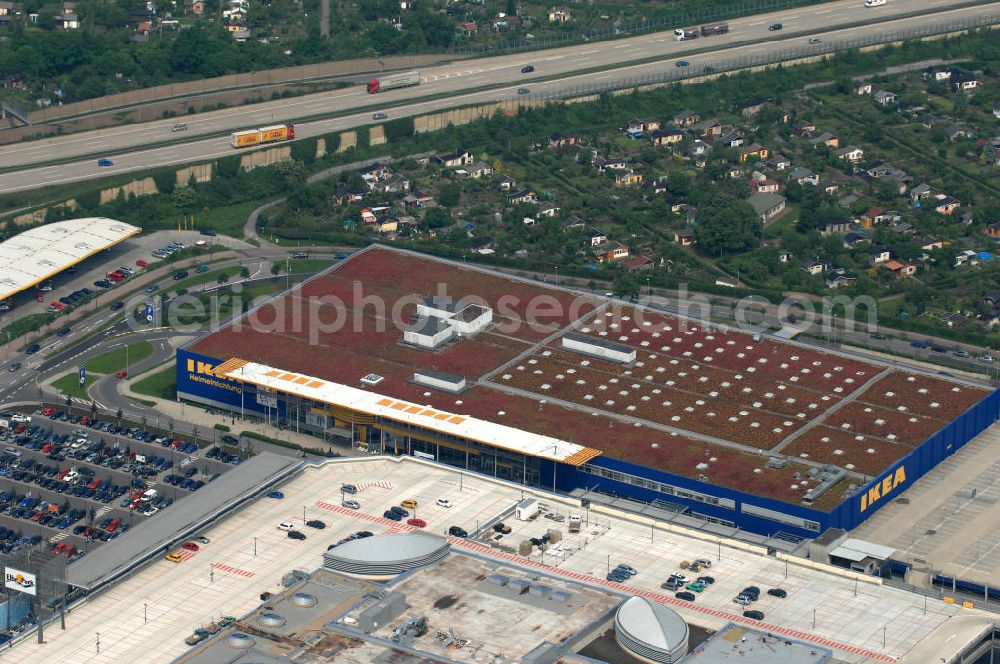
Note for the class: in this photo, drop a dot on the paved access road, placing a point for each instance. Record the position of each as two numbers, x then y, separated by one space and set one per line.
502 74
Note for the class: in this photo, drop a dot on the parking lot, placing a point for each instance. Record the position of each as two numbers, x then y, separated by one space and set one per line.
248 553
77 485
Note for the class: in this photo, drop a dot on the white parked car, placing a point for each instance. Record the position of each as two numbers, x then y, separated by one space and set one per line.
351 504
286 526
21 418
444 502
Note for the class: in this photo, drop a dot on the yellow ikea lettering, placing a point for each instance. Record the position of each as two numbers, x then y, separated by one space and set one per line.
878 491
200 367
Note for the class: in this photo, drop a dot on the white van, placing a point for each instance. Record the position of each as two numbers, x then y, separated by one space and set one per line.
874 3
148 495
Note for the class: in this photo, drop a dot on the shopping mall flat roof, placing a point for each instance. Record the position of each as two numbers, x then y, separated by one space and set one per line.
463 426
37 254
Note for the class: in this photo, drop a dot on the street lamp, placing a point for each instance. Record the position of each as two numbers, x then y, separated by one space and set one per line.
144 617
254 547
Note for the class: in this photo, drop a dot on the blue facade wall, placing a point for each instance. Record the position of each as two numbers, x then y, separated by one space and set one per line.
195 378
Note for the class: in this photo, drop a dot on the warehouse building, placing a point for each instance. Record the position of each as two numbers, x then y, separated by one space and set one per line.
742 432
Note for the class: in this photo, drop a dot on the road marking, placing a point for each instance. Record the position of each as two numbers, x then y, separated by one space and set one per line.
232 570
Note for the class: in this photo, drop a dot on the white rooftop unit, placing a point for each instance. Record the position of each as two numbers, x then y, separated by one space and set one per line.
526 509
606 350
440 381
429 333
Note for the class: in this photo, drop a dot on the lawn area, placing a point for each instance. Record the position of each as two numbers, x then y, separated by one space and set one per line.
310 265
161 384
70 385
197 279
114 360
228 219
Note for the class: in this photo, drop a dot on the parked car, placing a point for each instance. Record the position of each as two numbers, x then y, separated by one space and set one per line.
686 596
392 516
277 495
351 504
777 592
316 523
628 569
286 526
416 523
190 546
456 531
409 503
173 557
443 502
348 488
753 615
296 535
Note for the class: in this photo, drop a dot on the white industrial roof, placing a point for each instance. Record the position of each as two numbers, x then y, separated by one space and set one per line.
857 550
428 417
35 255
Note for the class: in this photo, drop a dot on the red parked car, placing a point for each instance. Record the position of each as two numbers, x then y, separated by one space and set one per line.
113 526
142 263
419 523
49 412
190 546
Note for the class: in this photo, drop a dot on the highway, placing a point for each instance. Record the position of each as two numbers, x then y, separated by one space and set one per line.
600 62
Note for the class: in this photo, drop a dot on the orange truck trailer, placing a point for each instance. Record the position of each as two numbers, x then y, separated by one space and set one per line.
272 134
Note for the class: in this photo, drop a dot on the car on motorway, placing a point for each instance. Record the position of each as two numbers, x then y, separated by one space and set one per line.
180 274
380 116
961 352
416 523
104 163
351 504
32 349
153 288
919 343
682 63
986 357
316 523
523 91
300 255
527 69
774 27
277 495
877 335
190 546
14 366
753 615
815 40
179 127
443 502
296 535
115 306
64 331
685 595
708 69
173 557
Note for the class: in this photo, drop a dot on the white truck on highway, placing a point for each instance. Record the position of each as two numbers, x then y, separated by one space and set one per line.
683 34
874 3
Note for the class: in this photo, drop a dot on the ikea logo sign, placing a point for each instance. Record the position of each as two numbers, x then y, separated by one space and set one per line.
199 367
880 490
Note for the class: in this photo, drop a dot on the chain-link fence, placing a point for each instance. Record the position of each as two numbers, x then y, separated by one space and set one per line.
785 54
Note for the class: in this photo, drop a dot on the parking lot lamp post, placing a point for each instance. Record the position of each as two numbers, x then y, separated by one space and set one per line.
609 563
855 587
303 515
98 644
786 573
719 558
144 615
254 547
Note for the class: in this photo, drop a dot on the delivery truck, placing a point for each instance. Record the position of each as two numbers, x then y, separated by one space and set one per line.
262 136
683 34
715 29
394 81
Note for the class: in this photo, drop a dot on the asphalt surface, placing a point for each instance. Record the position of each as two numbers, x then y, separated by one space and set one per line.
502 74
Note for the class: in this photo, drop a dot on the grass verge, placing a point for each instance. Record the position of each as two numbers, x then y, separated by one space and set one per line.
69 385
291 446
114 360
161 385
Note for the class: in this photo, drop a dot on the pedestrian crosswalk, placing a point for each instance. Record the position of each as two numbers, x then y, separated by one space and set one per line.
102 511
58 537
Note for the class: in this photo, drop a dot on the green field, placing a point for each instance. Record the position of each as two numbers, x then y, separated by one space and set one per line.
162 384
199 278
228 219
70 385
310 265
114 360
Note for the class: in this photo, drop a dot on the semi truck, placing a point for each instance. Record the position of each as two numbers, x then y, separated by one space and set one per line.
394 81
715 29
683 34
262 136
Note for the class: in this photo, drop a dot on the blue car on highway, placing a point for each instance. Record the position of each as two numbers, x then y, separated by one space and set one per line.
104 163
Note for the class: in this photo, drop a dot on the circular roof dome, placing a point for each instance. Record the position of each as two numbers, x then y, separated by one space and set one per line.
385 556
304 599
651 631
239 640
271 619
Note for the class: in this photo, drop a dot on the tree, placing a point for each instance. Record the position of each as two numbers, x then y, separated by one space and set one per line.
627 285
223 278
437 217
728 225
450 194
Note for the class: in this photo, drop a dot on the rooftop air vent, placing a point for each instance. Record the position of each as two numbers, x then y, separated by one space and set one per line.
271 620
239 640
304 599
372 379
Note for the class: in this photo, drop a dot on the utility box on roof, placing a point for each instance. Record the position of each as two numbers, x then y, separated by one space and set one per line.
526 510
